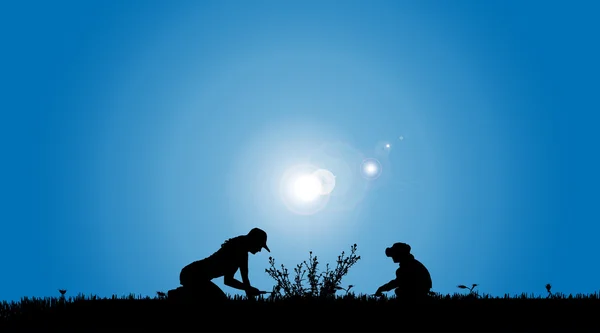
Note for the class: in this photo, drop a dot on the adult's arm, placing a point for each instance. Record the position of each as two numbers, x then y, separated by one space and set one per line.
232 282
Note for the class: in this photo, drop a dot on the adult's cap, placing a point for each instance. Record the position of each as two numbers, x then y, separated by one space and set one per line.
397 249
259 236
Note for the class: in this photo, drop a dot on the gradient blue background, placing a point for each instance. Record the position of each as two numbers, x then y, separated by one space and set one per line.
138 135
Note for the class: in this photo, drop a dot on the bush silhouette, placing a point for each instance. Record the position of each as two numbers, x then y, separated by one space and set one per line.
308 281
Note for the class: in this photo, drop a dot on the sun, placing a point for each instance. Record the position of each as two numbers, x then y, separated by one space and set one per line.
307 187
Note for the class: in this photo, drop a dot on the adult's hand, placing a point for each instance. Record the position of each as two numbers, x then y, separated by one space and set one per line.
251 291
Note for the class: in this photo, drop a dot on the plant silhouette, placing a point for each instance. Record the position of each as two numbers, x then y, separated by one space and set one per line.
549 290
471 292
308 281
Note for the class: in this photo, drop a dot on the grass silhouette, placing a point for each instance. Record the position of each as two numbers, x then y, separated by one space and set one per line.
307 313
308 302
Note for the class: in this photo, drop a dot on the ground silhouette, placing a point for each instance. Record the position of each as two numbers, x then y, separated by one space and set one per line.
304 312
413 281
195 278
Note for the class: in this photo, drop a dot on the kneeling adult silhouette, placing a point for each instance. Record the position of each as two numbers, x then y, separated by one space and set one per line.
196 277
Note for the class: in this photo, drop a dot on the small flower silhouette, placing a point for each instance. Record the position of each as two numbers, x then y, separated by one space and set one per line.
62 291
549 288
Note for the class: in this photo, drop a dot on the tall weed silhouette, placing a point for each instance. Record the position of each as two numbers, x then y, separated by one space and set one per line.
308 281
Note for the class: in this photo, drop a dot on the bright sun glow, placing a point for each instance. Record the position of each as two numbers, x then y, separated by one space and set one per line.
307 188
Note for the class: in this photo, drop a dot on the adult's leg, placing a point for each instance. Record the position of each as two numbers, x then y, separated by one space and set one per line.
204 291
187 276
213 292
193 282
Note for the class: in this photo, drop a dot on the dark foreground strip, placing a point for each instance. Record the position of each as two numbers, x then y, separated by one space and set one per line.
450 316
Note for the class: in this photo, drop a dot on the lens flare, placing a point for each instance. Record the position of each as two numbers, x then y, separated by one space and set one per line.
370 168
326 179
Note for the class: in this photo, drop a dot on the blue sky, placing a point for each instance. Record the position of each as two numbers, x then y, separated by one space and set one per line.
137 136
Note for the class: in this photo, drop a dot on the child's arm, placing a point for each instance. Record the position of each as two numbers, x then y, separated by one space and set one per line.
387 287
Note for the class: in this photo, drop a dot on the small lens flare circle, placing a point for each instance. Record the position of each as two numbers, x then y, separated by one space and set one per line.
370 168
326 180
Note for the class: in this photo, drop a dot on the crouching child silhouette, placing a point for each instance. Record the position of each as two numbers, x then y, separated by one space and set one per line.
195 278
412 280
